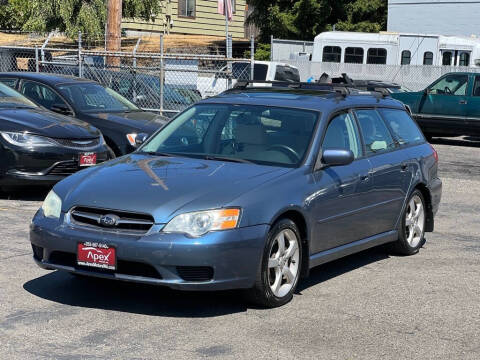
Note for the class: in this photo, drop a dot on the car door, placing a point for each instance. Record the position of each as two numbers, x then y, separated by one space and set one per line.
387 170
339 203
473 107
442 108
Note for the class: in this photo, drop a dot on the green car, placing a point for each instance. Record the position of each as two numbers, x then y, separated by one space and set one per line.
448 107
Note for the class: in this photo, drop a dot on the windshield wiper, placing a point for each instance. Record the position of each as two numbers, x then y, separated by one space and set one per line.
156 153
222 158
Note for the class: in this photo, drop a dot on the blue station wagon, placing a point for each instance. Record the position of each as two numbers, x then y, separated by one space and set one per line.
248 190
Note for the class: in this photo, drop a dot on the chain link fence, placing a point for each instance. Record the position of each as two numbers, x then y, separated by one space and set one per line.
156 74
413 77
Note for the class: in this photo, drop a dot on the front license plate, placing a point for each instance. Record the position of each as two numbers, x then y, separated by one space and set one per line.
87 159
96 255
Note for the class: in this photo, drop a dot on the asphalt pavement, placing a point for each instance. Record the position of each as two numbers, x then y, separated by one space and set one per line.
366 306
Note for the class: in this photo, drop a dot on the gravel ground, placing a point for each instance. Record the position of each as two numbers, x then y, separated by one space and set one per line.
366 306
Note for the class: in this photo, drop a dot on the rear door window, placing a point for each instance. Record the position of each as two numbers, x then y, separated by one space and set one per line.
376 136
404 129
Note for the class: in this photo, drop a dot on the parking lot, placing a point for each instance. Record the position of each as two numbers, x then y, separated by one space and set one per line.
366 306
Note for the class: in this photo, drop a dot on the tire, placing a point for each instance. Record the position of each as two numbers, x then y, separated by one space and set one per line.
279 272
412 230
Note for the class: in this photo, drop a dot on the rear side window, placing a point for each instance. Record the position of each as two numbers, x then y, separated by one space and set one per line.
402 125
287 73
376 136
342 133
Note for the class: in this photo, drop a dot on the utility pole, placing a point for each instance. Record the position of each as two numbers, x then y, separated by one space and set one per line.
114 31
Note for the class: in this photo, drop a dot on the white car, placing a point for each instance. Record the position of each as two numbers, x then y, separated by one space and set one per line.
262 71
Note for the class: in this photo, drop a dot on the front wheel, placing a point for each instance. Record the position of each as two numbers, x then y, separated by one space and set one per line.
280 268
412 231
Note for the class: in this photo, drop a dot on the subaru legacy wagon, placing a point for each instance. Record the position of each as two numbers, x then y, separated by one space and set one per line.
248 190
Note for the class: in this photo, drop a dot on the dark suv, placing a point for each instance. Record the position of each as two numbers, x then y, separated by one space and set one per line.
248 190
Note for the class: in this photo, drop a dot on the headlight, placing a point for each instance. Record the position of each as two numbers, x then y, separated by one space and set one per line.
52 205
201 222
27 140
131 139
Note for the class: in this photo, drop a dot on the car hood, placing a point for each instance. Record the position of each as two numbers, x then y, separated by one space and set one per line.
163 186
143 121
45 123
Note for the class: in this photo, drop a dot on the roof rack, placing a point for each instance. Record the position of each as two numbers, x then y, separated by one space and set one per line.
342 89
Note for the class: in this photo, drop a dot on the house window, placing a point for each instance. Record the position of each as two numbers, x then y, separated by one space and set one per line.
428 58
332 54
376 56
353 55
447 58
406 57
464 59
186 8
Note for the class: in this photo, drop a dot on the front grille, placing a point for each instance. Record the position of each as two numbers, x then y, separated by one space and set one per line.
65 168
124 221
124 267
78 143
195 273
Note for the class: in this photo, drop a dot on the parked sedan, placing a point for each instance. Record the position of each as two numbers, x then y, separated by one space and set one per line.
38 146
118 119
248 190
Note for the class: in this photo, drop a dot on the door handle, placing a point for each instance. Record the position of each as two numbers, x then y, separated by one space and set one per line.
404 167
462 102
364 177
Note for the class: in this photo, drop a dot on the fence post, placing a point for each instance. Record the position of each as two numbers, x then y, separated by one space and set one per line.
229 63
252 56
80 67
37 68
271 47
134 53
162 74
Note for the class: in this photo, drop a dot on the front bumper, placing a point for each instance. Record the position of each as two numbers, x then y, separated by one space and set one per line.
23 166
233 256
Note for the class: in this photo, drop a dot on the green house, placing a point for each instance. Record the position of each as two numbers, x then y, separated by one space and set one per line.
192 17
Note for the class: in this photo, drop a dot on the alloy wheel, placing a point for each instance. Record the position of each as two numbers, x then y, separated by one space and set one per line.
283 262
414 221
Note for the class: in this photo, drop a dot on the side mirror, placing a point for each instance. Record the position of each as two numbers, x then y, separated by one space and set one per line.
337 157
426 91
61 109
140 139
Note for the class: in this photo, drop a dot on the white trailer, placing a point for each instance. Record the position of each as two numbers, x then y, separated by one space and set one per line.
396 49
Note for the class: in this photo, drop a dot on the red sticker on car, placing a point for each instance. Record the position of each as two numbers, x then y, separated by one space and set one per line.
88 159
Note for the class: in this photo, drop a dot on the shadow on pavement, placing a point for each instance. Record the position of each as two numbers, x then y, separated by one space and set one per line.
121 296
26 193
342 266
161 301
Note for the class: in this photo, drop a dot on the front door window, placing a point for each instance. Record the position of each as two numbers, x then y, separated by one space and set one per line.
452 84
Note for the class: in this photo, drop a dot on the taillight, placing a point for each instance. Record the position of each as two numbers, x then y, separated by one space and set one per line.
435 154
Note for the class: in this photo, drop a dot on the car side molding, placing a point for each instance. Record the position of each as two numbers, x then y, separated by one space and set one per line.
352 248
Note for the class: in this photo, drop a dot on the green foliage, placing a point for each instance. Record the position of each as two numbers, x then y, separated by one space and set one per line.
262 52
304 19
69 16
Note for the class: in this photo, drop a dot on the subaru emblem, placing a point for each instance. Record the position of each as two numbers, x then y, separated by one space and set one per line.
109 220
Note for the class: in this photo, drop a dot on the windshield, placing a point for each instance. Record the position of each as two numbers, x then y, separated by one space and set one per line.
259 134
9 98
92 97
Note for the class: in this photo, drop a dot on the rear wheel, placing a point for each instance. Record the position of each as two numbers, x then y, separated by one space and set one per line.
280 268
412 232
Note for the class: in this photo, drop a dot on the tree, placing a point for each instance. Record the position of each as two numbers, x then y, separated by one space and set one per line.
72 16
304 19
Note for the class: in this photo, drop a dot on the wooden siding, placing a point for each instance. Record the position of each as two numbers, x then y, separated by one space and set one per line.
206 21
